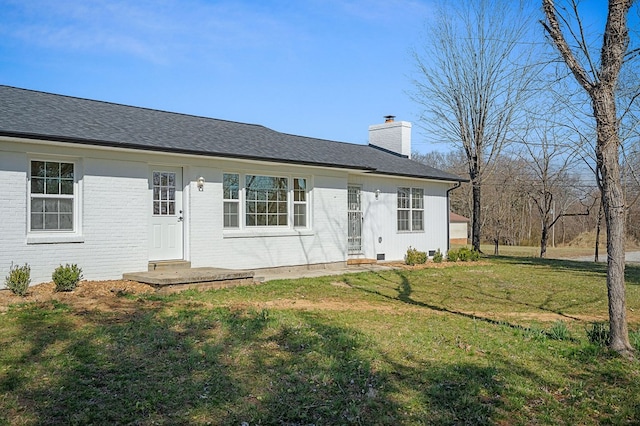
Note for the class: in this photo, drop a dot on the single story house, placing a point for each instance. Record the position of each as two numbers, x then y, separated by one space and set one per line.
458 229
117 188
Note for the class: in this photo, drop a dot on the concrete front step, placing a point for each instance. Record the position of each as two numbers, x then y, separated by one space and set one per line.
172 280
169 265
361 261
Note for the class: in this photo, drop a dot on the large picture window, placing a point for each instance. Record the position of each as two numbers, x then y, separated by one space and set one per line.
252 201
52 196
266 200
410 209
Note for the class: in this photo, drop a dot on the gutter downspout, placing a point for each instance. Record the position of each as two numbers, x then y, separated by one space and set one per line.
458 184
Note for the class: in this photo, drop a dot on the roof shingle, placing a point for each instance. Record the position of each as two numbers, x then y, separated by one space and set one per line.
46 116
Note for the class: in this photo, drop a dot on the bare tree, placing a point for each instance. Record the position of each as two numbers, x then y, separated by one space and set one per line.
504 202
472 81
452 162
550 160
599 79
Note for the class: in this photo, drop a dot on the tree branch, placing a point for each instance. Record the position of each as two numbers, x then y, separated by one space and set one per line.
552 27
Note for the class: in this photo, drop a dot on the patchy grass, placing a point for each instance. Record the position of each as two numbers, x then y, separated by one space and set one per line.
502 342
558 252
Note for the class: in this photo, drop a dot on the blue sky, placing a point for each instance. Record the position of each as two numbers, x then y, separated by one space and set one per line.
320 68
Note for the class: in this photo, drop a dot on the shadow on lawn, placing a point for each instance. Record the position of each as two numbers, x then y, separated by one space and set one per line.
195 365
405 292
632 270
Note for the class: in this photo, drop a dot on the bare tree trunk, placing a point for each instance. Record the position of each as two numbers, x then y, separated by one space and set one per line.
544 238
614 213
475 222
596 256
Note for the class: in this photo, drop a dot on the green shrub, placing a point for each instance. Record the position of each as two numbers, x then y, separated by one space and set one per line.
415 257
438 256
66 277
18 279
559 331
466 254
452 256
598 333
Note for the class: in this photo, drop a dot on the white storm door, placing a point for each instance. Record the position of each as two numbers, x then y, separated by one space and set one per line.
354 210
166 223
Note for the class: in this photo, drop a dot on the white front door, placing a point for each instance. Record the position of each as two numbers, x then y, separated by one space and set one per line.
166 224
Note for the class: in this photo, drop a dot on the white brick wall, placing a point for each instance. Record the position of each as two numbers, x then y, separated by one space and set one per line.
250 248
380 217
393 136
115 207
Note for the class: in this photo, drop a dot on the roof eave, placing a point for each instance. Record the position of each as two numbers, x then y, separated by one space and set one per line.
415 176
112 144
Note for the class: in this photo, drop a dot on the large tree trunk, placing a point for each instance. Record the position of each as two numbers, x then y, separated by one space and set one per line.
475 222
614 212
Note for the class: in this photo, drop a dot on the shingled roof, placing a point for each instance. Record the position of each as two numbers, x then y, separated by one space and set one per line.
45 116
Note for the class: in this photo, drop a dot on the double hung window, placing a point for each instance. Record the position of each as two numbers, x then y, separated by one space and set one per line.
52 196
231 196
410 209
299 203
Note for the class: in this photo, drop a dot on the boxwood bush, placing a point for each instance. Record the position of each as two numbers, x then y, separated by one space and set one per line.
415 257
18 279
66 277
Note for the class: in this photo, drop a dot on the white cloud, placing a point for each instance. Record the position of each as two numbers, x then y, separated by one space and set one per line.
158 31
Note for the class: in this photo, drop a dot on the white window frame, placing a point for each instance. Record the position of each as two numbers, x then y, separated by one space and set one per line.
411 208
47 236
301 204
268 214
249 230
231 201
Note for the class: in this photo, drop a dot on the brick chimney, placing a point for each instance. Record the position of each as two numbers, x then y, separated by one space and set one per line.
394 136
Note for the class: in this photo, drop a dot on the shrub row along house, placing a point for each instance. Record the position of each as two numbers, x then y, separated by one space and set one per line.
117 189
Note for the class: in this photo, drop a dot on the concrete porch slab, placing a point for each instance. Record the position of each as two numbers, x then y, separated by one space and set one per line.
187 276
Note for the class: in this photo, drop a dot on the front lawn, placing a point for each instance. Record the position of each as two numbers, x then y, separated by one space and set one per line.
501 342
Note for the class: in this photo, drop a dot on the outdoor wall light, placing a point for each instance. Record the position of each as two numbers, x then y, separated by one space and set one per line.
377 193
200 183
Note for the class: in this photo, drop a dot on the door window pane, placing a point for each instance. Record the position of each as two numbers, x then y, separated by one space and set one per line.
164 193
